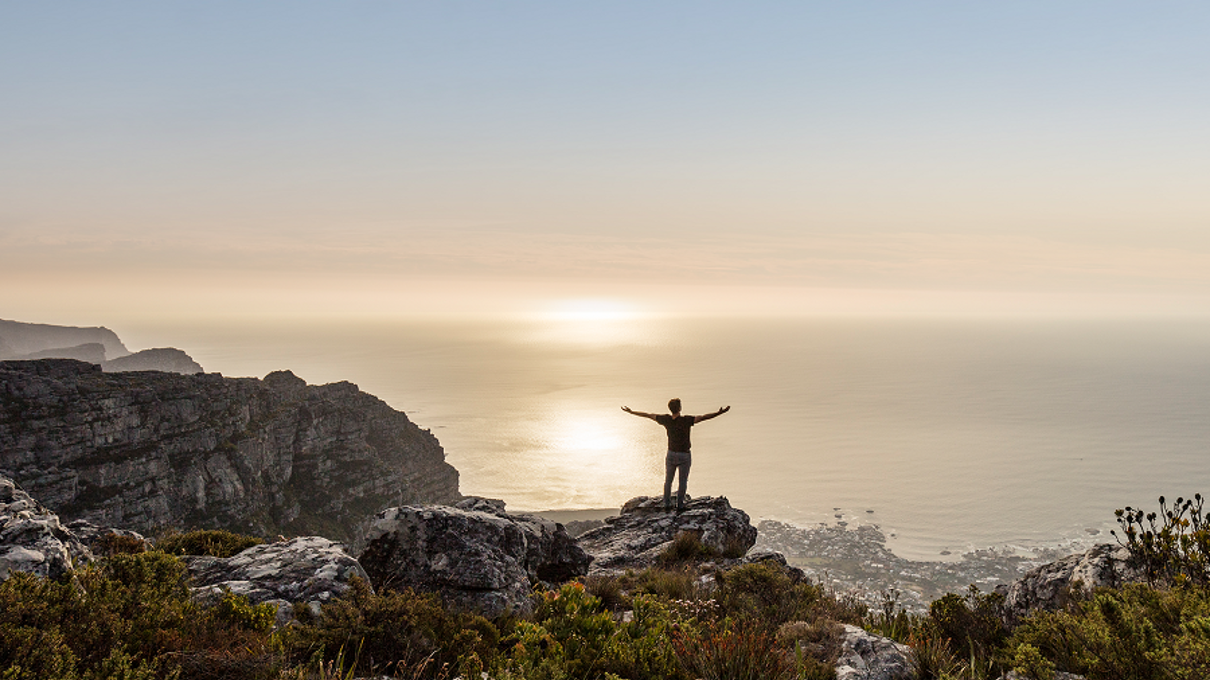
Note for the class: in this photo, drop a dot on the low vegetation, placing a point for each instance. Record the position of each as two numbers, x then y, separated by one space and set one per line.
129 616
212 542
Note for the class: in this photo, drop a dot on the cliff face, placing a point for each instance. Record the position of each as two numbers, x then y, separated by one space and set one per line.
146 450
17 338
29 341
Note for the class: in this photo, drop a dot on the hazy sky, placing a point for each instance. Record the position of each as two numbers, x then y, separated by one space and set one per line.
238 159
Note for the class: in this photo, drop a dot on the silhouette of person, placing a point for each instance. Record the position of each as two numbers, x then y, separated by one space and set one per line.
678 457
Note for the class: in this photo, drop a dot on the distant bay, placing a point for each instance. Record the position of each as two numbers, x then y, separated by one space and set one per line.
950 435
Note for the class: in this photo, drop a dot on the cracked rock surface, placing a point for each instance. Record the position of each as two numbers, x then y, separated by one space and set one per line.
636 537
145 450
308 569
32 539
483 559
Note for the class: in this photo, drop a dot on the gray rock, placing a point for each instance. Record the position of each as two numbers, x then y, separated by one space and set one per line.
864 656
168 359
481 561
92 352
636 537
94 536
144 450
493 506
776 559
32 539
1048 587
307 569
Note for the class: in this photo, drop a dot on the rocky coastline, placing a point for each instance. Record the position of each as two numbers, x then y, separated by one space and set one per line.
88 458
479 558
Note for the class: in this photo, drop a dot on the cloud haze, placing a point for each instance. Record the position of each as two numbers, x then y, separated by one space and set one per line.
424 157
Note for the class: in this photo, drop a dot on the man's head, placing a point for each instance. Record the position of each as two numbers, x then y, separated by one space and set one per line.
674 405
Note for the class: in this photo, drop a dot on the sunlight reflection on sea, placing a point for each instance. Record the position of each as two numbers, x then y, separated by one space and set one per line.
956 435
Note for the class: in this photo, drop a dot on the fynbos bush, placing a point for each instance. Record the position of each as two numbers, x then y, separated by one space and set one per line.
1172 546
212 542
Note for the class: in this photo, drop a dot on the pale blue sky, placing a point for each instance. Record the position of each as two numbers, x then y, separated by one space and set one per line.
243 156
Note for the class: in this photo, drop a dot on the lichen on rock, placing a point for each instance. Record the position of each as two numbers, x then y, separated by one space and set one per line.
485 561
644 529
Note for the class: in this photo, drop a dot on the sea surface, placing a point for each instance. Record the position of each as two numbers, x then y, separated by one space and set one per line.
949 435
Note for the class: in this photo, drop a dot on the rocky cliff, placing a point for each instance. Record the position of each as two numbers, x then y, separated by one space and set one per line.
19 338
147 449
101 346
168 359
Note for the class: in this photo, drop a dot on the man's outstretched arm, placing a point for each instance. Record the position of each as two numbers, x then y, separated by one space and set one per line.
708 416
638 413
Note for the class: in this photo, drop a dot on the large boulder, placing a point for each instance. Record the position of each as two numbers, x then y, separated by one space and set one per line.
643 530
32 539
308 569
483 560
1049 586
865 656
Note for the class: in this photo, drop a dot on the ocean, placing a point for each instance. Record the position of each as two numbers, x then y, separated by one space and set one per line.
949 435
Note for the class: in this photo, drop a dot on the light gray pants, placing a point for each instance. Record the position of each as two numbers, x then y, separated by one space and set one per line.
676 460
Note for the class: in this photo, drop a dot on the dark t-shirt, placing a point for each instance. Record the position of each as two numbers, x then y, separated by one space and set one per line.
678 431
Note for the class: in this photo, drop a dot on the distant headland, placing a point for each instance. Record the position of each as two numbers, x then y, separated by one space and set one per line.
95 345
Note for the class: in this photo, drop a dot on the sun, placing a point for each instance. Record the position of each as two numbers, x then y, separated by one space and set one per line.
591 309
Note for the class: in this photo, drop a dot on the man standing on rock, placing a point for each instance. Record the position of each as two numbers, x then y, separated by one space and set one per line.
678 457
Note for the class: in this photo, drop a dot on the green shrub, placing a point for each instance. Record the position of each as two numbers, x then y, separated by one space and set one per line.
972 624
734 547
401 632
608 589
116 544
31 652
1174 551
816 647
766 596
686 546
672 584
733 653
213 542
572 636
1136 632
129 617
125 600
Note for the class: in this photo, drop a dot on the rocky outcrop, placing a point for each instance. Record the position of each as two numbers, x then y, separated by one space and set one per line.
776 560
865 656
32 539
1049 586
168 359
18 338
104 540
483 560
145 450
92 352
635 538
99 346
308 569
